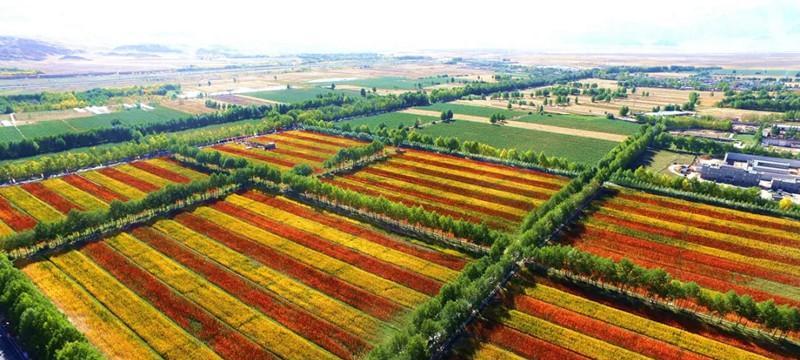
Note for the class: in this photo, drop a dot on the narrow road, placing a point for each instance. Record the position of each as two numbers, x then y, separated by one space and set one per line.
525 125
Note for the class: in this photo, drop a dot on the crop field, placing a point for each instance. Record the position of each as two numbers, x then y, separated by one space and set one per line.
252 276
465 189
297 94
55 127
392 120
23 206
593 123
544 319
292 148
718 248
483 111
579 149
395 83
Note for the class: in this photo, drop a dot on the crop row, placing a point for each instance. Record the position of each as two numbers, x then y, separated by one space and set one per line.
718 248
292 148
557 321
23 206
464 189
251 276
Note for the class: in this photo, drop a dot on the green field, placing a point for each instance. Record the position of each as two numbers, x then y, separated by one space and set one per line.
583 150
9 133
130 118
660 160
104 146
747 139
472 110
391 120
592 123
396 83
55 127
296 95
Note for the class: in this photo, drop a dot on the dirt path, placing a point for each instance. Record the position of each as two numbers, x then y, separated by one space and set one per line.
529 126
259 100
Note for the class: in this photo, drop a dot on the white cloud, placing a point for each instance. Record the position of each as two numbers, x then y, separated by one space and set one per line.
349 25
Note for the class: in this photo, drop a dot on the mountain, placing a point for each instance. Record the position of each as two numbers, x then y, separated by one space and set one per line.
14 48
146 48
223 52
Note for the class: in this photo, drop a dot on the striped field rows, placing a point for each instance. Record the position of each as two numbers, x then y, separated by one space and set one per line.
253 276
545 320
23 206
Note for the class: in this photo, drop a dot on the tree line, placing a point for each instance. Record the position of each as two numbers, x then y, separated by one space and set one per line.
354 154
688 122
708 192
44 101
658 284
42 330
780 101
552 76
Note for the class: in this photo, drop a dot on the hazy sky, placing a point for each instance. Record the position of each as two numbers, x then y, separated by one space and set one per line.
408 25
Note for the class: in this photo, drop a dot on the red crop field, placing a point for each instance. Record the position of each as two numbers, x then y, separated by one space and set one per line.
718 248
251 276
22 206
541 318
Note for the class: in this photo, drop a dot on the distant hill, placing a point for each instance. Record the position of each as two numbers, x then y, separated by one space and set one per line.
146 48
223 52
14 48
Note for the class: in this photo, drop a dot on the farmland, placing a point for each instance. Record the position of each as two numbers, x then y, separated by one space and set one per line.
292 148
464 189
391 120
252 276
297 94
23 206
395 83
56 127
718 248
593 123
542 318
579 149
482 111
